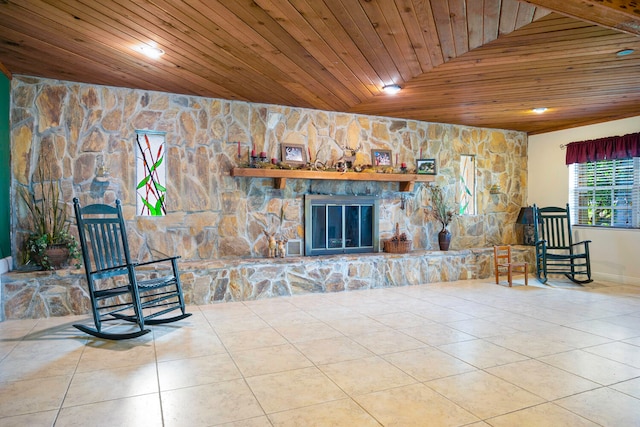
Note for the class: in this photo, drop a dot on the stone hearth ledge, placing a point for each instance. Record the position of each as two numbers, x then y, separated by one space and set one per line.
40 294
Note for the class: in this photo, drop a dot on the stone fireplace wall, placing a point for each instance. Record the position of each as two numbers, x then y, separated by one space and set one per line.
71 126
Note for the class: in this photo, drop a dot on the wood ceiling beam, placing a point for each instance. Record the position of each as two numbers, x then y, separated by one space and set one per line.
621 15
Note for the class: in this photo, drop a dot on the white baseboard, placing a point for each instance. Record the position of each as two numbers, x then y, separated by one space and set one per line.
5 264
617 278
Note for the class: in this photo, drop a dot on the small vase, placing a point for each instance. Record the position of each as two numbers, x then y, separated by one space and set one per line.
444 239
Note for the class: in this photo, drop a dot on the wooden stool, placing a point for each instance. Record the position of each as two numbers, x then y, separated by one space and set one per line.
503 265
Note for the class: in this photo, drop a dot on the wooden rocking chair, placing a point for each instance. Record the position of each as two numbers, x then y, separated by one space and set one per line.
555 251
116 289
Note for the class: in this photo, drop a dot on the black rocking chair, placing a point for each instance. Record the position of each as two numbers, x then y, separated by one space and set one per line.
555 251
117 288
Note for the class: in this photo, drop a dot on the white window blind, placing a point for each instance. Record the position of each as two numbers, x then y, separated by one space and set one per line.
605 193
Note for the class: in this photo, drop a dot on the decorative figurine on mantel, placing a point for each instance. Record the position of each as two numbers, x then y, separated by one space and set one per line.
282 251
273 246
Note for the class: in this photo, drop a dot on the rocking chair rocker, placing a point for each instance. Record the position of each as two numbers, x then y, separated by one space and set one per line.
116 289
555 251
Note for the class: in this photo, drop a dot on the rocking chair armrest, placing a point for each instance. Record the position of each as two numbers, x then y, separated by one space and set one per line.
584 242
114 268
541 243
155 261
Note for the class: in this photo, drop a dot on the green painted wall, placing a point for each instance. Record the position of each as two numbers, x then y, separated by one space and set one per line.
5 168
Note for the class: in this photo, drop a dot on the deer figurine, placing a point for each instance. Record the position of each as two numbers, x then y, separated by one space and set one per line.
282 251
273 246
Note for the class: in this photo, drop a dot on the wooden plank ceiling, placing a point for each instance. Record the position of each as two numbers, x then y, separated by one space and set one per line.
473 62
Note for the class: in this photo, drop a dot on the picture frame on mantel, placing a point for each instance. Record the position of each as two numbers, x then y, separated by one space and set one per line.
381 158
426 166
293 154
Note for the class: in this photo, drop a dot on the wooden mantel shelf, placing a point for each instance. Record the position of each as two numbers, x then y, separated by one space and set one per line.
405 180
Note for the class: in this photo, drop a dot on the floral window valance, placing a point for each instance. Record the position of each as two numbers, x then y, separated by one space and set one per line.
609 148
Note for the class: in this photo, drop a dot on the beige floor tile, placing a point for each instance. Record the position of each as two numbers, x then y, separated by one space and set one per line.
529 344
631 387
482 354
239 324
413 405
426 364
481 328
296 317
257 338
484 395
402 320
223 311
366 375
604 406
518 322
209 404
109 384
196 371
28 396
592 367
187 343
542 379
39 419
357 325
308 332
605 329
250 422
99 354
633 341
293 389
545 415
332 350
268 360
139 411
388 342
439 314
24 364
332 312
618 351
437 334
343 412
571 337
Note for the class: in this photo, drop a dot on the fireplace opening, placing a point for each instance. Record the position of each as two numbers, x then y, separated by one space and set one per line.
340 224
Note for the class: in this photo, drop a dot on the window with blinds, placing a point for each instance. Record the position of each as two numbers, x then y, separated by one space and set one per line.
605 193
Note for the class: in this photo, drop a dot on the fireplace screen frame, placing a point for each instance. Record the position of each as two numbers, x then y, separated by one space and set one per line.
340 203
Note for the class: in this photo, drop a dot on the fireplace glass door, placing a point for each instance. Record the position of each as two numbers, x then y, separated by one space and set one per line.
340 224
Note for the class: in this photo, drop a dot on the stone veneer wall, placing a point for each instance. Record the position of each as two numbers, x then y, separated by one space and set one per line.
213 216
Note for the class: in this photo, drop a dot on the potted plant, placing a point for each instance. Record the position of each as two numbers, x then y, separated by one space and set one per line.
49 244
442 212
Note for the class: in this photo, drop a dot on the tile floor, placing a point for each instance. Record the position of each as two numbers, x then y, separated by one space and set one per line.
467 353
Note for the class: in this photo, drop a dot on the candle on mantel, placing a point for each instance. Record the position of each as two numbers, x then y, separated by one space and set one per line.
404 165
253 151
238 149
274 161
309 150
263 154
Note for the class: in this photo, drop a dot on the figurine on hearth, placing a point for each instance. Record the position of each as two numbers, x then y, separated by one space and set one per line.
282 250
273 246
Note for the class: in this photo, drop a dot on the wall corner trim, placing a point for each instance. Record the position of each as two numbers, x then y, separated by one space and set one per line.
5 71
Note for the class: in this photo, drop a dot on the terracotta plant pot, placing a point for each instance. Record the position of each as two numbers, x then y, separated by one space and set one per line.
444 239
57 254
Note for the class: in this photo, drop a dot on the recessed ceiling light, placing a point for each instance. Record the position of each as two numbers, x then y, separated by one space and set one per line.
624 52
151 51
539 110
391 89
